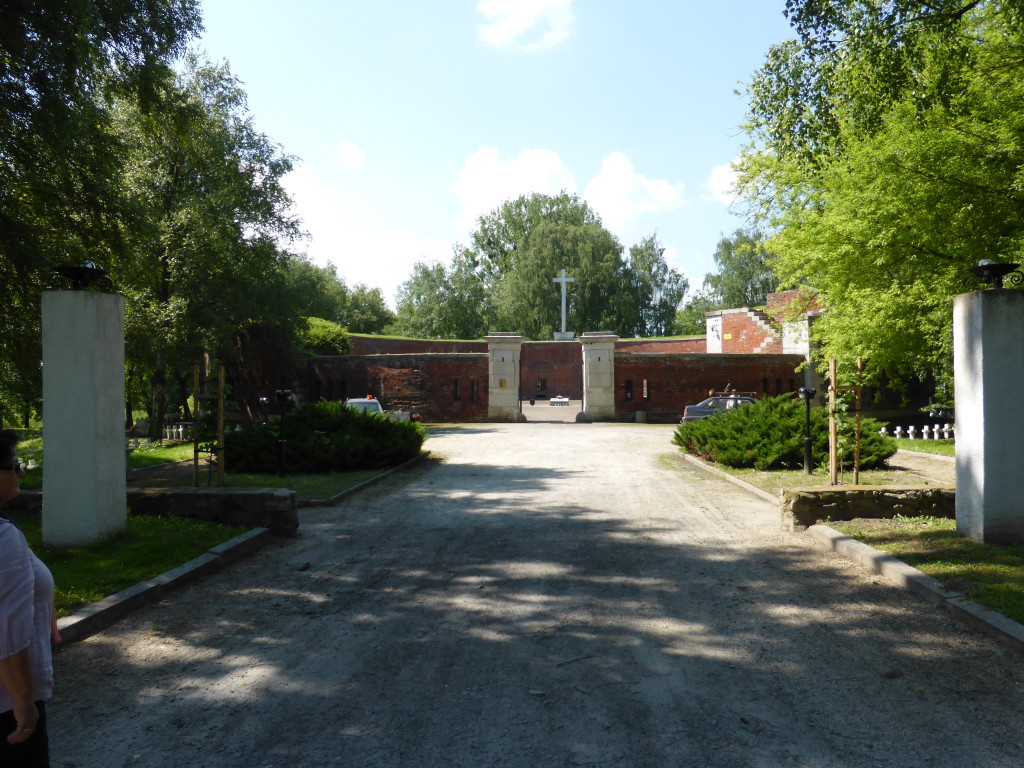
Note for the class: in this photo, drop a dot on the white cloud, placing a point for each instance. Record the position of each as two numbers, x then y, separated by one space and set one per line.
721 185
485 181
350 155
619 193
527 24
348 233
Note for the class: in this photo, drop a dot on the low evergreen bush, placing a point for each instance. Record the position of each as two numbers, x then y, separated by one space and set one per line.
769 434
325 437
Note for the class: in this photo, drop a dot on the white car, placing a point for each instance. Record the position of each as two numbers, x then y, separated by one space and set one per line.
372 405
367 404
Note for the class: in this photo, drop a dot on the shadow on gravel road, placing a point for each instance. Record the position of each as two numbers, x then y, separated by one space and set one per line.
442 622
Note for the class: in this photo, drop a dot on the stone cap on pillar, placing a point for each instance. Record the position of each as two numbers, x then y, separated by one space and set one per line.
504 338
591 337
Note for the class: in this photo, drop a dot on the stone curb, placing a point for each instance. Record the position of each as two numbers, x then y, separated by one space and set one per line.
734 480
96 617
365 484
1007 631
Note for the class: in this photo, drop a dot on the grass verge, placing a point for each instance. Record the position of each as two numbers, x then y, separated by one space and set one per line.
989 574
939 447
149 547
306 486
776 480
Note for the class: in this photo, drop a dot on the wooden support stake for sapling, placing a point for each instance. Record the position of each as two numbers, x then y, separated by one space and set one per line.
195 425
833 432
220 425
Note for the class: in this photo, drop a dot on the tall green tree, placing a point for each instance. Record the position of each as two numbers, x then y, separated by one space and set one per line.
437 302
59 161
318 291
207 219
504 280
658 290
744 277
502 234
366 310
905 172
528 302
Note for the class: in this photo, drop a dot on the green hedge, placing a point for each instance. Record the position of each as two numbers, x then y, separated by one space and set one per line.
325 437
769 435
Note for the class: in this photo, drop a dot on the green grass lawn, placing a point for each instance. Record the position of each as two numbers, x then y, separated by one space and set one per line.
149 547
306 486
161 453
775 481
940 447
989 574
153 455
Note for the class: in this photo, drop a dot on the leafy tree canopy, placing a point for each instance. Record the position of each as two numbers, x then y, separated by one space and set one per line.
744 279
912 178
503 282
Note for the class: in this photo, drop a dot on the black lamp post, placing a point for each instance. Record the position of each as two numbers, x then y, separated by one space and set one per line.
282 395
807 394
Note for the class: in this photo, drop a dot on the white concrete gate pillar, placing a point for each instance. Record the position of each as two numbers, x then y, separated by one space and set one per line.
503 377
84 489
988 365
598 376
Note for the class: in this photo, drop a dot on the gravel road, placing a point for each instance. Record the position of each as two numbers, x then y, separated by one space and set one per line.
541 595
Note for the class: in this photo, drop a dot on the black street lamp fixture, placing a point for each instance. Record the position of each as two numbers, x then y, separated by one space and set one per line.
994 273
807 394
82 276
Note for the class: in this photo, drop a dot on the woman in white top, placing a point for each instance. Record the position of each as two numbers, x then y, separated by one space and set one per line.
27 627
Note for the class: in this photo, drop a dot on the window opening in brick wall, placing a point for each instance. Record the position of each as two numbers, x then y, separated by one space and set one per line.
765 386
792 385
647 392
474 391
629 390
456 391
540 386
778 386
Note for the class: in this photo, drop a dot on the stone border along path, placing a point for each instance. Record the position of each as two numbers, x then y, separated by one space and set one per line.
1007 631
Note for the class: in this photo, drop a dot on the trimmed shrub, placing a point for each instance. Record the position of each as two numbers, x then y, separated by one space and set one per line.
325 437
323 337
769 434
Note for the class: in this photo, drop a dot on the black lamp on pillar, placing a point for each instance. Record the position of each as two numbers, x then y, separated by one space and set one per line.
994 273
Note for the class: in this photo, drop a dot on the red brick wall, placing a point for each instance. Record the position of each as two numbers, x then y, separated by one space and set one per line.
426 384
802 300
558 363
693 345
743 334
675 381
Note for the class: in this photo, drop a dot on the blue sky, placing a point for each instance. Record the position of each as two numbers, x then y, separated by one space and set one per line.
410 118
